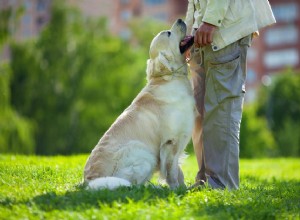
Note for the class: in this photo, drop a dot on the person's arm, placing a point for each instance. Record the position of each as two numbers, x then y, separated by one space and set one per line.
215 12
213 17
189 19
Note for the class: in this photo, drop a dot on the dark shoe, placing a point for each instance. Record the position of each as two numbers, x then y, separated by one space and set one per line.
197 184
200 176
200 180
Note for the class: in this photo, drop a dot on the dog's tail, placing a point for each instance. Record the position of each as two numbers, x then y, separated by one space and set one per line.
107 183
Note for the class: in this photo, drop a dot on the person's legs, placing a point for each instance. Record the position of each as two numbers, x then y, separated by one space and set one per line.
225 81
198 82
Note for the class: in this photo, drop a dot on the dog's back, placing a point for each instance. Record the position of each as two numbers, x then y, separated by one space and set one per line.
160 112
136 128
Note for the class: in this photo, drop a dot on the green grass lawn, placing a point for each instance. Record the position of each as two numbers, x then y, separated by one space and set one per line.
49 188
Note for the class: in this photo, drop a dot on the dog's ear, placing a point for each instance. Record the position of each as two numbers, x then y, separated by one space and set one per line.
150 68
165 60
160 65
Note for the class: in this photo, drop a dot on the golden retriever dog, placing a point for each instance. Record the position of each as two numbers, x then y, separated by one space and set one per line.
152 133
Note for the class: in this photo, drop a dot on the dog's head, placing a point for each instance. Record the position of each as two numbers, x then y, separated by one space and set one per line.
167 50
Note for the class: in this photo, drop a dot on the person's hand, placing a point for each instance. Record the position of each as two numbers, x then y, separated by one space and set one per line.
204 35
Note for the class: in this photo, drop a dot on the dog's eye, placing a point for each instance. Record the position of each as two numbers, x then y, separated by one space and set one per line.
169 33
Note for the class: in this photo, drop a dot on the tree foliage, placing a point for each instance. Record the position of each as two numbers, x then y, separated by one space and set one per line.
256 139
283 112
16 131
73 81
280 104
5 15
276 112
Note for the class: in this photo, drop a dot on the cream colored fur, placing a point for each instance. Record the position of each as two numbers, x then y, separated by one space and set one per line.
152 133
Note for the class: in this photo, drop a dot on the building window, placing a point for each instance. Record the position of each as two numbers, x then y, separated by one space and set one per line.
26 25
40 21
282 35
41 5
27 19
126 15
286 12
124 2
282 58
27 4
251 76
154 2
252 54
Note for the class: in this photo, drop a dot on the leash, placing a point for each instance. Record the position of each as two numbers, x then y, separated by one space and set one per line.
187 60
196 50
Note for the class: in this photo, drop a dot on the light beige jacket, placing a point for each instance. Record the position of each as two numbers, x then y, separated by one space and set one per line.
235 19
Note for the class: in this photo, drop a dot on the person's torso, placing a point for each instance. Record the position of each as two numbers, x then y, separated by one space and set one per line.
242 18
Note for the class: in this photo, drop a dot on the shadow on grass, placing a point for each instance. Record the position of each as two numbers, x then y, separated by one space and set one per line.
256 199
82 198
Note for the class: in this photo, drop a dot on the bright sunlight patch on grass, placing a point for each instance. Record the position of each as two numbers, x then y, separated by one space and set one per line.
33 187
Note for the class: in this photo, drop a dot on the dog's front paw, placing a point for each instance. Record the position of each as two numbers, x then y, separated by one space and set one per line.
174 185
178 187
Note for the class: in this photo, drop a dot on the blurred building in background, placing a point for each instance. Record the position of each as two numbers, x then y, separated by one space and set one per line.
277 46
34 14
120 12
27 20
275 49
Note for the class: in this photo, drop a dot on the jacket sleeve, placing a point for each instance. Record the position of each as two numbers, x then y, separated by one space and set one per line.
215 11
189 19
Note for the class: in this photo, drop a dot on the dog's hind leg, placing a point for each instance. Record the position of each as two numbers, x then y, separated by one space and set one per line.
137 163
169 157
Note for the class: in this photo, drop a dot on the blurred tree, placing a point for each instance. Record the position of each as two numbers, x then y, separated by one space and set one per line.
74 81
5 15
280 104
114 74
283 112
16 132
256 139
6 23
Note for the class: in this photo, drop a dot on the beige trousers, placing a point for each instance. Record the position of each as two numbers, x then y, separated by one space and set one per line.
219 88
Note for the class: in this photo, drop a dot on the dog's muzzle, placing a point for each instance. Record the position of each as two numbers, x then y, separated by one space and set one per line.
186 43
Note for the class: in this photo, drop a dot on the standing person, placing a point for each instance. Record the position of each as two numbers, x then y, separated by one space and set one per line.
222 32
